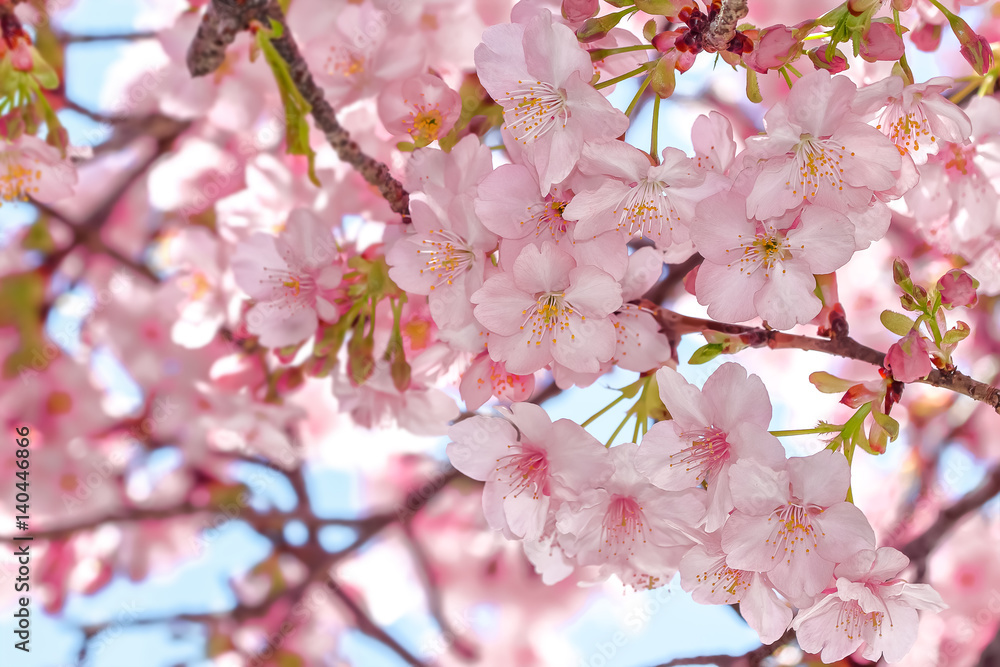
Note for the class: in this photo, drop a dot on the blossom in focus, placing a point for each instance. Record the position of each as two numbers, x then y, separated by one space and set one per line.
639 198
529 463
549 308
816 150
706 576
764 268
710 430
917 118
540 75
630 528
794 524
870 607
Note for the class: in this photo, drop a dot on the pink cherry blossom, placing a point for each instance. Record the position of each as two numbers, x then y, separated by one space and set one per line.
485 378
765 268
816 150
548 308
870 608
917 118
291 277
529 463
709 431
31 168
641 198
509 204
423 107
794 524
541 76
630 528
444 257
706 576
641 346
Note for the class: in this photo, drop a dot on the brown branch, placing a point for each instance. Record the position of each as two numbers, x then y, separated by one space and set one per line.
224 19
68 38
921 547
366 625
723 28
751 658
674 324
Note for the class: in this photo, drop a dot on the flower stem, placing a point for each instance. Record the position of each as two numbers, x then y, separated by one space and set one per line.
627 75
601 54
638 94
656 128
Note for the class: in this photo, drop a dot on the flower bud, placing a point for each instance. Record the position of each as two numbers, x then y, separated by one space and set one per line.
881 43
819 60
957 289
908 359
576 11
975 48
927 37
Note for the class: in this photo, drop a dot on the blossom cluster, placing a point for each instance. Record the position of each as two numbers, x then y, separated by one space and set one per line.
709 494
280 291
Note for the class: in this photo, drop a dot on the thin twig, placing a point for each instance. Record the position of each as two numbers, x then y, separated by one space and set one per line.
220 25
672 323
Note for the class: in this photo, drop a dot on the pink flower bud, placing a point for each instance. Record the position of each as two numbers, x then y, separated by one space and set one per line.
777 46
859 7
908 359
975 48
578 11
837 64
901 5
957 289
881 43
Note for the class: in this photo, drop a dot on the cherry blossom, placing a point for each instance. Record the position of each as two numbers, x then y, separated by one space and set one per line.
794 524
706 576
644 199
710 430
529 463
541 77
764 268
291 277
549 308
630 528
870 607
817 150
916 117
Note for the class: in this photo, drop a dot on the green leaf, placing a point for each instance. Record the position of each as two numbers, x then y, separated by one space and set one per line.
958 334
297 109
897 323
705 353
657 7
890 425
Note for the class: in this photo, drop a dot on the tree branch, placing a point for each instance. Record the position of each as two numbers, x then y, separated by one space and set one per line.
675 324
921 547
224 19
750 658
723 28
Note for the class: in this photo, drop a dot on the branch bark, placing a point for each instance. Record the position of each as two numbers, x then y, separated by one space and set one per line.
921 547
224 20
675 324
723 28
